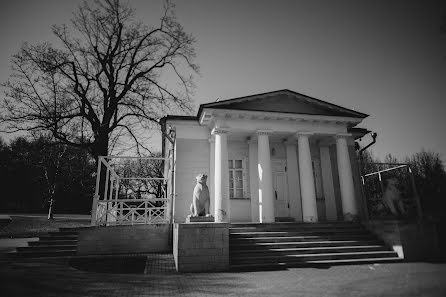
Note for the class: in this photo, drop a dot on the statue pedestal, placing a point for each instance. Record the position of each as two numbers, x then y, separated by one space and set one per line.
201 247
200 219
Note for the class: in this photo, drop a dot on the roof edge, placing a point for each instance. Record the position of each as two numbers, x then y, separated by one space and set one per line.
205 105
179 117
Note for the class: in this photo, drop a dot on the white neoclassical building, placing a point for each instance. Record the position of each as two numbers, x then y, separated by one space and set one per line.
269 157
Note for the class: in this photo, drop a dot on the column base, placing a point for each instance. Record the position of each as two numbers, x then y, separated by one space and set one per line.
200 219
310 219
349 217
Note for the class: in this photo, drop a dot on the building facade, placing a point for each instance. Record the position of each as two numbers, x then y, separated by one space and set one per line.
269 157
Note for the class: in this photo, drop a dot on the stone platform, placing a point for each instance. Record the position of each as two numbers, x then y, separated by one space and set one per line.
201 247
200 220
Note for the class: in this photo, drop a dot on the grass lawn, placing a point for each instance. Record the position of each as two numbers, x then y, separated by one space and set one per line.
33 226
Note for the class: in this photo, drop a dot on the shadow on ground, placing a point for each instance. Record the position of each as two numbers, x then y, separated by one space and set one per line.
135 265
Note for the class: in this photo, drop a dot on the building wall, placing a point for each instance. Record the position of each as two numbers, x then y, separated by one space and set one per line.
240 210
357 181
192 158
337 187
136 239
240 207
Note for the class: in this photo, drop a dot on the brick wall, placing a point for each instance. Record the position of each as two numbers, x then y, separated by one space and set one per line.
192 158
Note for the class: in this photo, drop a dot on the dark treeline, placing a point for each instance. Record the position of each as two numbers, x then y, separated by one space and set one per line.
429 177
34 171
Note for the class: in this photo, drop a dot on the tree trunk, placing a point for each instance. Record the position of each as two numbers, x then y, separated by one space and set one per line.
100 150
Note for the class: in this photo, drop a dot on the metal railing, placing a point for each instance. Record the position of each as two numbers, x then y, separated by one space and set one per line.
131 190
390 192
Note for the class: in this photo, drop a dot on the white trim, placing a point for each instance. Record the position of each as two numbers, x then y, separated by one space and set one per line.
266 115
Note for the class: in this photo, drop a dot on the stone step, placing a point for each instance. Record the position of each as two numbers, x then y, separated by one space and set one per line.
58 237
295 225
271 259
267 245
63 233
47 248
275 245
295 233
284 219
71 229
293 228
52 242
307 238
316 263
302 251
52 253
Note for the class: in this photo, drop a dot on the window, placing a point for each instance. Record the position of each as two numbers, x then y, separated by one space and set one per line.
236 179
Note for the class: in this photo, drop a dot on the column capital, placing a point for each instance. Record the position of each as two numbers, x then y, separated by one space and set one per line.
219 130
264 132
251 140
343 135
304 133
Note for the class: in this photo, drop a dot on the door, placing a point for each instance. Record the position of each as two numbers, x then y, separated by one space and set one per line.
320 200
281 203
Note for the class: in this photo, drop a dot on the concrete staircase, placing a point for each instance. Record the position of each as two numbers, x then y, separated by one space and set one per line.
55 244
273 246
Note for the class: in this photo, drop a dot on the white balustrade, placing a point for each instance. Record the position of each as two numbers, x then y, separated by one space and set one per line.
119 198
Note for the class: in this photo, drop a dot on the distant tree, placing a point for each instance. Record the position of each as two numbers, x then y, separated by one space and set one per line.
144 168
429 176
38 170
430 180
368 162
104 81
390 159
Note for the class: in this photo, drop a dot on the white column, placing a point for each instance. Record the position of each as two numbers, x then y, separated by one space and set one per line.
327 180
293 180
308 193
211 173
221 182
349 209
253 180
266 198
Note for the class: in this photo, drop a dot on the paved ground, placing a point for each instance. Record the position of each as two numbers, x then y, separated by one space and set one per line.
56 216
33 225
158 278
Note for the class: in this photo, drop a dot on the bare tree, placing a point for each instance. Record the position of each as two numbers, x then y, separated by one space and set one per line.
104 80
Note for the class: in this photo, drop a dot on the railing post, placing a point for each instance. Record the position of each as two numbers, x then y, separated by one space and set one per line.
415 193
94 209
107 180
94 205
380 183
172 186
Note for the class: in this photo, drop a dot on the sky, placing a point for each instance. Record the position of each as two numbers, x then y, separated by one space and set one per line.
383 58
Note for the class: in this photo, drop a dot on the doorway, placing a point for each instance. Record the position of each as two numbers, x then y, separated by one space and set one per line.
320 199
281 199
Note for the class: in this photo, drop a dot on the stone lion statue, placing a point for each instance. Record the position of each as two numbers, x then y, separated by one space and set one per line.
392 197
200 199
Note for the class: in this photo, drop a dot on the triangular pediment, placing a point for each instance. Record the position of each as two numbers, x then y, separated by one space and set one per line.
284 101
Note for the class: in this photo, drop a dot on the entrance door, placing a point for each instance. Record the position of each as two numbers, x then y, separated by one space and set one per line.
281 202
320 199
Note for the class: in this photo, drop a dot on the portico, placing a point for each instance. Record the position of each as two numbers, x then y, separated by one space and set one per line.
273 156
261 177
